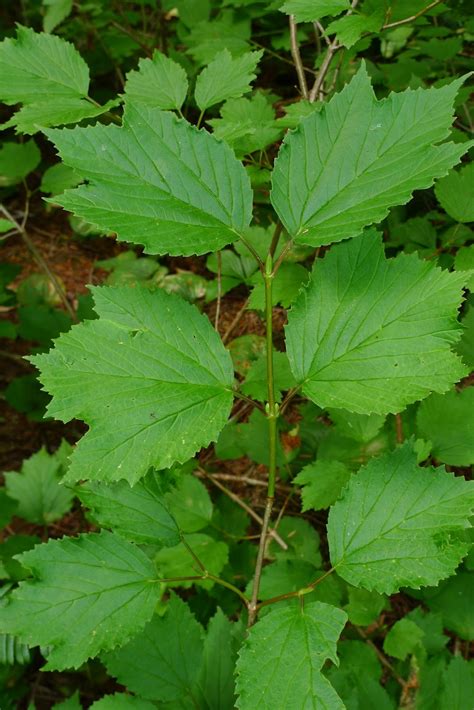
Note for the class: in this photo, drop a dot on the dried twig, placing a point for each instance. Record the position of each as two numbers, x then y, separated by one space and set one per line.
295 53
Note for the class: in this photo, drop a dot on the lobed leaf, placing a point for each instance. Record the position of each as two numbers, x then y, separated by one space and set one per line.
372 335
157 181
399 525
151 378
279 665
159 82
225 78
138 514
346 165
87 594
163 661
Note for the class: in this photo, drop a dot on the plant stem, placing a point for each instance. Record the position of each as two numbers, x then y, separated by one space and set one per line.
219 290
333 47
412 18
206 574
299 592
276 238
272 412
295 53
253 606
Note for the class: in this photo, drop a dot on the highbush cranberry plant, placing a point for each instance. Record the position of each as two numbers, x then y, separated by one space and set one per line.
155 384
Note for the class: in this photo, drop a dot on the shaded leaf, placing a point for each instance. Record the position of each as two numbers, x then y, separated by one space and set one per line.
286 672
447 421
186 194
346 165
163 661
138 514
154 359
225 78
158 82
100 579
372 335
398 524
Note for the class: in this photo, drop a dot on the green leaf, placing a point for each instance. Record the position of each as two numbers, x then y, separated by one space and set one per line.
8 508
177 561
186 194
154 359
225 78
457 685
17 160
453 600
58 178
357 678
364 607
434 640
346 165
280 662
465 347
454 193
41 499
158 83
35 65
190 504
71 703
322 483
247 124
403 639
56 112
122 701
87 594
286 285
447 421
137 514
350 29
5 226
398 524
310 10
372 335
56 12
163 661
464 261
255 383
216 680
302 540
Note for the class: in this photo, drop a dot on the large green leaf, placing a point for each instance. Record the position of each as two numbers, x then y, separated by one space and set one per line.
158 82
279 666
35 65
225 78
372 335
137 513
448 422
48 76
216 681
346 165
163 661
41 499
157 181
151 378
87 594
399 525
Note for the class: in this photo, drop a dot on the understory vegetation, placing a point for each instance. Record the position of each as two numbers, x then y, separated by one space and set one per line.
236 264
